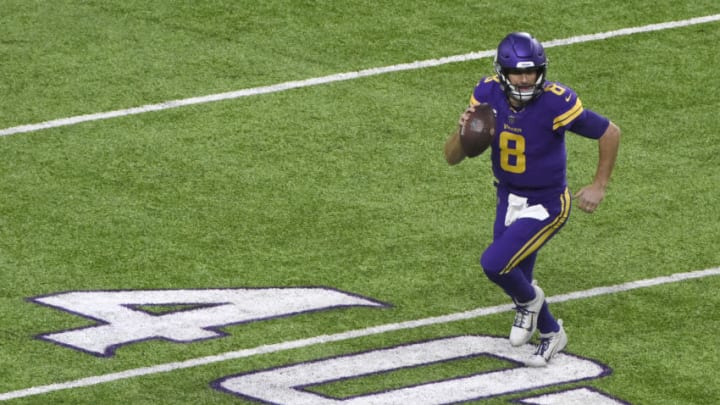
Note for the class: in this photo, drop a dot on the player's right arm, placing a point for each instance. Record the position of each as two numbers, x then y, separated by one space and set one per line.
454 153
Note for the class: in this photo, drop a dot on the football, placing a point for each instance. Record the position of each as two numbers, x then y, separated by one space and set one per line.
477 133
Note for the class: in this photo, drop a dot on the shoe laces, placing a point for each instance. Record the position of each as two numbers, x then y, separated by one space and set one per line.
543 346
523 318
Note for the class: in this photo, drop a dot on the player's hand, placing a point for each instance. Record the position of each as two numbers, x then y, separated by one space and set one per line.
466 115
589 197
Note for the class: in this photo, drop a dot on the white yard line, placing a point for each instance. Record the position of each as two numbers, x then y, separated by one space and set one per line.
340 77
374 330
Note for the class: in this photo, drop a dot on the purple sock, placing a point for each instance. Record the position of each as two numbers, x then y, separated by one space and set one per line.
515 285
546 321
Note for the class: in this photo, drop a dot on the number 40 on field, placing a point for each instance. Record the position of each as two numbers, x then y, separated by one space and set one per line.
125 317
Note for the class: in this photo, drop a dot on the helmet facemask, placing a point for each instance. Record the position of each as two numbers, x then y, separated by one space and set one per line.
520 52
521 96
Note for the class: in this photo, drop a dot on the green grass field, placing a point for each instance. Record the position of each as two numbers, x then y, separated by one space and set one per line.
341 187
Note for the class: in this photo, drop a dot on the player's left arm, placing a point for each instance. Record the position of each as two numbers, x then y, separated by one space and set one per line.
590 196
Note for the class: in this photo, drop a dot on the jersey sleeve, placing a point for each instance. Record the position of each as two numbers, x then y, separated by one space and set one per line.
570 114
482 91
565 105
590 124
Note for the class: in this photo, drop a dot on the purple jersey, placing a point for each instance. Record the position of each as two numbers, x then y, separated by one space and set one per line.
528 150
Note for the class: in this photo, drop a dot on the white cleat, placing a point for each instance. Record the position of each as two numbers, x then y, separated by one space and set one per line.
526 319
550 344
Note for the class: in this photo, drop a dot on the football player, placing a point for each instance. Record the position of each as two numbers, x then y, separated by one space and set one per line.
529 163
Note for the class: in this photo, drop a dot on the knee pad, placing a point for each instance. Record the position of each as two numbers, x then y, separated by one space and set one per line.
491 265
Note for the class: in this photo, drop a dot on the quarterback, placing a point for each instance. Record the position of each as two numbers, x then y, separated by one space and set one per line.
529 161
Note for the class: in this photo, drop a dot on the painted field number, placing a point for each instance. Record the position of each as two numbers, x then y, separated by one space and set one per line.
287 385
124 317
